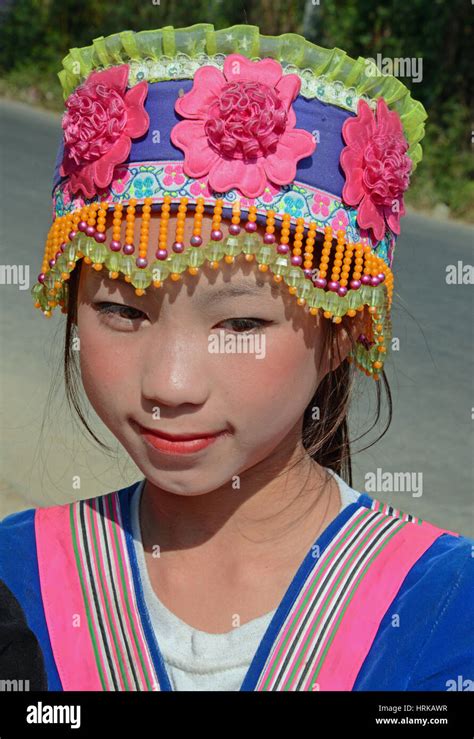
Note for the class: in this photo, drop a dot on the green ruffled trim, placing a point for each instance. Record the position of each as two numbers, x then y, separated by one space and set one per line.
278 264
290 48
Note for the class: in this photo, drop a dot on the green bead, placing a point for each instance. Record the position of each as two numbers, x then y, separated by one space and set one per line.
232 246
141 278
113 261
50 279
81 241
294 277
353 299
266 255
43 301
159 270
36 290
214 251
331 302
369 295
251 243
70 252
195 256
342 306
304 290
281 264
98 253
86 247
317 298
128 265
62 264
177 263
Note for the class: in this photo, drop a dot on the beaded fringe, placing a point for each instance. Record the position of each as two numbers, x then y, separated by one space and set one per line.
341 280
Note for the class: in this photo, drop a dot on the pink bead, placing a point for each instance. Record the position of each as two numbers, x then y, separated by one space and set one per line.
100 237
342 291
269 239
52 262
178 247
234 229
320 282
381 276
308 273
82 225
162 253
63 246
374 281
72 235
333 286
283 248
251 227
141 262
196 241
296 261
115 245
41 277
366 279
128 249
90 231
216 234
355 284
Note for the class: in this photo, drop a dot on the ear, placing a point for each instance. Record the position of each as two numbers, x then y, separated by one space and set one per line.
340 339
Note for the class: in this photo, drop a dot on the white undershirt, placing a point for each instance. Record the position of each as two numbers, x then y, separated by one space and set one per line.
194 659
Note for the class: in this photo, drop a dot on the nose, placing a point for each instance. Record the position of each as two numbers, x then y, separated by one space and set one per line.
175 367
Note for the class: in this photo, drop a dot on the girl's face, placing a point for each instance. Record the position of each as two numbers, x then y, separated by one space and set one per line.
170 361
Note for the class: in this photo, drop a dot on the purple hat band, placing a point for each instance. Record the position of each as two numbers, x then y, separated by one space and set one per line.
321 170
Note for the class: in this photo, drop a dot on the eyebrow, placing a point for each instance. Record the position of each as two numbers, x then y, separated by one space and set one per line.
214 294
232 290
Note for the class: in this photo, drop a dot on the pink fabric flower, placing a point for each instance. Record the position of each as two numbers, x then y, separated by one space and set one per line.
173 175
120 179
376 166
269 193
321 204
100 121
340 220
240 127
200 189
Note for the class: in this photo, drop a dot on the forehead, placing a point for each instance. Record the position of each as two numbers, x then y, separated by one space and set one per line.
210 286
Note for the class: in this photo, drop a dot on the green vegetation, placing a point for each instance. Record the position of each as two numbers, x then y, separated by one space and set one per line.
36 34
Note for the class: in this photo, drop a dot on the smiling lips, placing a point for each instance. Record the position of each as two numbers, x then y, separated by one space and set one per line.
179 443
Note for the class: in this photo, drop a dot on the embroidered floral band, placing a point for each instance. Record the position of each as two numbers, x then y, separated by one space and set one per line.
295 139
156 179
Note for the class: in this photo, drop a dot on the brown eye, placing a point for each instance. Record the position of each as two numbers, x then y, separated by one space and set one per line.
119 310
244 325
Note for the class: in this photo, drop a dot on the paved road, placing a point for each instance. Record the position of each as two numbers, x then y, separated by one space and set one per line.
430 375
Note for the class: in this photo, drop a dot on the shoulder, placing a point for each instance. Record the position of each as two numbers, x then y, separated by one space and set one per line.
444 588
446 553
434 604
18 529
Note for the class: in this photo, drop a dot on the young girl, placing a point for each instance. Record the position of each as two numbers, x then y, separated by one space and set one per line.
226 205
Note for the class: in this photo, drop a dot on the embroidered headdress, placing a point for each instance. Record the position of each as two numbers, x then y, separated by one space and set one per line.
315 146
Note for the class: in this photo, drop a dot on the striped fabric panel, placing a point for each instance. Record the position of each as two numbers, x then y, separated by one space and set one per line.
121 652
305 638
389 510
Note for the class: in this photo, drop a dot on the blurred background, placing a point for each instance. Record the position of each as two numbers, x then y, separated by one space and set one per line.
431 372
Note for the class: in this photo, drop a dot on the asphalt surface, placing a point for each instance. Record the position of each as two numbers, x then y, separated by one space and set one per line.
431 374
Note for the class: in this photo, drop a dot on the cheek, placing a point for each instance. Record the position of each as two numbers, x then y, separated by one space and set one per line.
276 389
106 365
